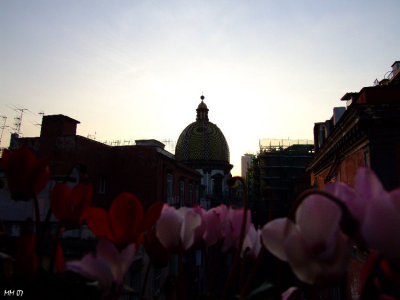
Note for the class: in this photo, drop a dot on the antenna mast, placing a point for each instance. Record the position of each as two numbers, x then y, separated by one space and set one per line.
2 127
18 120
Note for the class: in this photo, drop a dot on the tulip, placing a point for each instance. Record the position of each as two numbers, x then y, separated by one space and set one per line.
125 222
314 246
108 266
59 258
233 226
26 175
176 227
377 211
214 223
70 206
252 243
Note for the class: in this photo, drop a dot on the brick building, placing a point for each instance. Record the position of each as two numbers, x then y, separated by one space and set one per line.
145 169
367 133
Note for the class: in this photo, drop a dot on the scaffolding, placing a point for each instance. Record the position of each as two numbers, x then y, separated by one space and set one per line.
270 145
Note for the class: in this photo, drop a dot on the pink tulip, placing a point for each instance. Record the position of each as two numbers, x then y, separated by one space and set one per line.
108 266
252 242
200 230
377 210
314 246
214 223
176 228
232 227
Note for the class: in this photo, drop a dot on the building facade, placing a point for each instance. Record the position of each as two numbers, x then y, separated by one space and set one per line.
202 146
366 134
275 177
145 169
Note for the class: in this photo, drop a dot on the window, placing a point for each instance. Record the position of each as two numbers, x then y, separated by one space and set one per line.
170 180
102 185
182 192
191 200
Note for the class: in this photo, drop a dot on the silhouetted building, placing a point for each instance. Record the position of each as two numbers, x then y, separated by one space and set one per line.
367 133
145 169
245 163
275 177
203 146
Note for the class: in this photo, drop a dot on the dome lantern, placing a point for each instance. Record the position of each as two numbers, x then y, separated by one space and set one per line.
202 111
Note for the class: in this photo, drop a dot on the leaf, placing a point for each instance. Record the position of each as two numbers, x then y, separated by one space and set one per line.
261 289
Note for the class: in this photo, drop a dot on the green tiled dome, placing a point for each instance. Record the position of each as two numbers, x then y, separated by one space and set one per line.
202 140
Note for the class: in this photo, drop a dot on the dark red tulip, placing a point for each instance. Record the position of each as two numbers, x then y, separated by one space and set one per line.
70 206
125 222
26 175
59 258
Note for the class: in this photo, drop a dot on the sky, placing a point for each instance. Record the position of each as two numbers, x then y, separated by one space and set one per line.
132 70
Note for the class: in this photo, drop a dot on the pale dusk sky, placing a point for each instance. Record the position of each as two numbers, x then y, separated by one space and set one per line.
136 69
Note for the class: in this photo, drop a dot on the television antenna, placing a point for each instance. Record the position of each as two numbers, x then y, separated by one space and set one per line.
18 120
3 126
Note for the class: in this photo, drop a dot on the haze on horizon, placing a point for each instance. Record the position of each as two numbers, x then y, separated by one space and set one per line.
136 69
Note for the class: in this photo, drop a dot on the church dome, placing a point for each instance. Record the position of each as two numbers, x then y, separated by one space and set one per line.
202 140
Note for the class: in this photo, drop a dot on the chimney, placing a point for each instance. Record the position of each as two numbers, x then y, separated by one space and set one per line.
337 114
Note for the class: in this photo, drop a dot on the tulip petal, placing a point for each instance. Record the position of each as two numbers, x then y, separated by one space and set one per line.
95 268
199 231
117 262
97 220
60 201
126 215
213 230
81 196
302 263
41 175
152 214
273 235
334 267
368 184
252 242
318 219
168 228
381 227
354 203
191 222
